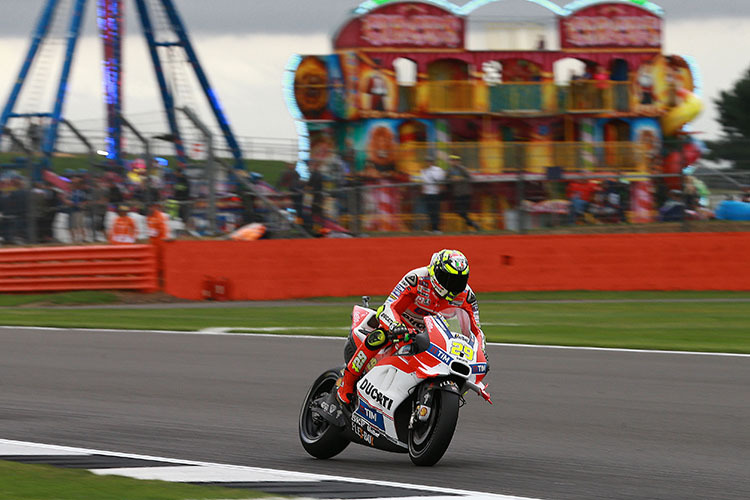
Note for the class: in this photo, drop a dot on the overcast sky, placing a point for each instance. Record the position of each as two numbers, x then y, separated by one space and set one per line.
244 45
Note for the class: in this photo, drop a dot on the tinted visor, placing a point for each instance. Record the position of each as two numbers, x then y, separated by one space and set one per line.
454 283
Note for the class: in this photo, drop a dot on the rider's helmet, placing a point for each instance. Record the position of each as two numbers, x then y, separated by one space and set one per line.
449 273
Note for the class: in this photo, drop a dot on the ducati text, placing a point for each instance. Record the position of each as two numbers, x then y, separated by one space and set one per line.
375 394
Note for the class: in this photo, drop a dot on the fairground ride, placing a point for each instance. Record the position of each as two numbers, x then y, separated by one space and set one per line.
165 34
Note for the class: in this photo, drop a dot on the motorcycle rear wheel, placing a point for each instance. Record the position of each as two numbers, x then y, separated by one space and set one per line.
319 438
428 441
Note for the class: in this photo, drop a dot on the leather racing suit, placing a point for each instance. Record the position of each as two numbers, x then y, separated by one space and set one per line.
411 300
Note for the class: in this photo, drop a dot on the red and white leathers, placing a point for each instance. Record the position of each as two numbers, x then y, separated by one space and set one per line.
412 299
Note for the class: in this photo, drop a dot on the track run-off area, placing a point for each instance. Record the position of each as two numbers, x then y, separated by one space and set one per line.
568 423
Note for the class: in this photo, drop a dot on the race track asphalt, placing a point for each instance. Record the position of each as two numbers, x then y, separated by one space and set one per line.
566 424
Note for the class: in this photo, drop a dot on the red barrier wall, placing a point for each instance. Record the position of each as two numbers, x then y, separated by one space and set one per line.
280 269
89 267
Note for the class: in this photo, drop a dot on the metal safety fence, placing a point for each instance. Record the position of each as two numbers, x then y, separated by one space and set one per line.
522 203
374 205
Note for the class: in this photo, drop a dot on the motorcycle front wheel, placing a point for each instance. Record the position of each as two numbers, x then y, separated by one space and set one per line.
318 437
429 440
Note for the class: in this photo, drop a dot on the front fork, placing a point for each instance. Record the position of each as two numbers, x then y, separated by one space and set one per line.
422 405
421 408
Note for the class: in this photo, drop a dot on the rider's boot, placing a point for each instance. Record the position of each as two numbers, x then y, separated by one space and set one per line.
331 409
345 392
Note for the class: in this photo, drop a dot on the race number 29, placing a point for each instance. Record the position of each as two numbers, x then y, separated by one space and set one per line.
462 350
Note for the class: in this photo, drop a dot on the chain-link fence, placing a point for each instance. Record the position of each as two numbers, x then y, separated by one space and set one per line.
40 213
531 203
511 188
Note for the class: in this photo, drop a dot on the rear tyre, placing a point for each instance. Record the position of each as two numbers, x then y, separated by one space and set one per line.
429 440
318 437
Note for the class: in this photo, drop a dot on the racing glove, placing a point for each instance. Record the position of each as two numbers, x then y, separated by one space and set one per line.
400 332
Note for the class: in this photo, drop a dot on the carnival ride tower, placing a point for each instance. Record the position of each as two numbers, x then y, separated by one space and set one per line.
164 32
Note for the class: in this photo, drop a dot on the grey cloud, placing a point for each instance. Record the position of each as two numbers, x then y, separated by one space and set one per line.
317 16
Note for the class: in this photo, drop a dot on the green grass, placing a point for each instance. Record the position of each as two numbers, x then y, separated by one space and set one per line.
646 324
63 298
705 326
39 482
270 169
574 295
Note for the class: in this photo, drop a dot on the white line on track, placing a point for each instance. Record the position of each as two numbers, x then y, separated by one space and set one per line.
263 332
215 471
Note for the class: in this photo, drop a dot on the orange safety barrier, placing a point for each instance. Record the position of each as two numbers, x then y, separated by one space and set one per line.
283 269
99 267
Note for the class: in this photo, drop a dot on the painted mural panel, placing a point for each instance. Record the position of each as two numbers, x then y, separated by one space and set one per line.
377 89
393 147
663 84
403 25
319 88
647 133
611 26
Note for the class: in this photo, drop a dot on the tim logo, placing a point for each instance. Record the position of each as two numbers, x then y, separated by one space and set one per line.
480 368
371 415
440 354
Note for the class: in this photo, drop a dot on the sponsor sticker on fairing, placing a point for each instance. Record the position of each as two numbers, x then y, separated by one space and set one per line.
358 362
440 354
371 415
375 394
479 368
362 433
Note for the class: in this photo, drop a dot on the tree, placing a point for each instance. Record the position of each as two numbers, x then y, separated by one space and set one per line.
734 118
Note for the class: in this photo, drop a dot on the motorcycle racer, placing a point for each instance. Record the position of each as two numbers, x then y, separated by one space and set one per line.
421 292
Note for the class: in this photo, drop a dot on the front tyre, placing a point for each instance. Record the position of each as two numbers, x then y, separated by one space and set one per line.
429 440
320 439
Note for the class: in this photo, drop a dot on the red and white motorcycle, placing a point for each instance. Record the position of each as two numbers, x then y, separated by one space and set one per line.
409 396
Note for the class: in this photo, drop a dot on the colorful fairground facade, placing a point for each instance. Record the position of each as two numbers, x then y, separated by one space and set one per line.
402 89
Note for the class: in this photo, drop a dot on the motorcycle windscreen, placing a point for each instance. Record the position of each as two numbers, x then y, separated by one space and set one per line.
457 320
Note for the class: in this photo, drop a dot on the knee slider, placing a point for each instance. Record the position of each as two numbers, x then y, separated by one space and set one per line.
376 339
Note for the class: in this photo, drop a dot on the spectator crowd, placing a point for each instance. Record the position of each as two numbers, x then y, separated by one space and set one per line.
82 207
335 199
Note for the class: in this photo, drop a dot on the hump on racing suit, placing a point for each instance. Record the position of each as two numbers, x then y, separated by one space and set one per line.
413 298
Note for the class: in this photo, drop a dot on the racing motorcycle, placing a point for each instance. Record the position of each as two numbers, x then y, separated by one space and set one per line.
407 401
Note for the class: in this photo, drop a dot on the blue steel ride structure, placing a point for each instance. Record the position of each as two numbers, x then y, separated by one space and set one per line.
110 19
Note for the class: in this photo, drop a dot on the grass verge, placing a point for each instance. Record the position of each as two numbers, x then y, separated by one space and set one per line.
63 298
40 482
574 295
644 324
